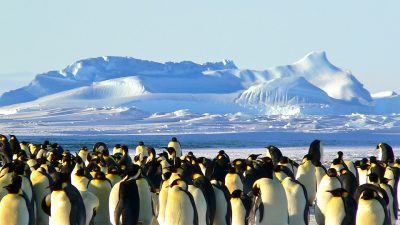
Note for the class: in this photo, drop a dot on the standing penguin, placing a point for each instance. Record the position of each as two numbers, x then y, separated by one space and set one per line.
341 208
372 208
296 196
223 210
329 182
265 210
40 181
306 176
362 170
65 204
241 206
181 209
316 151
141 151
130 199
15 208
274 153
101 187
201 182
174 143
385 153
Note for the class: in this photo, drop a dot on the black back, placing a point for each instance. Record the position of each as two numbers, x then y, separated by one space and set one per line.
128 205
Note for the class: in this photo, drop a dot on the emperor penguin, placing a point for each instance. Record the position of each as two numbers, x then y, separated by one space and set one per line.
233 181
181 209
341 208
393 204
274 153
270 204
130 199
329 182
40 183
201 182
174 143
362 170
316 151
141 151
241 206
371 208
223 210
91 202
306 176
296 196
100 186
15 207
386 154
83 153
200 202
65 204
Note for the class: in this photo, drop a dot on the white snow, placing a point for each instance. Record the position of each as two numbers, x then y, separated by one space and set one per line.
312 85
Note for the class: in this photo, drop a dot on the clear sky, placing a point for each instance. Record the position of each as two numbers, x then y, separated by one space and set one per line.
42 35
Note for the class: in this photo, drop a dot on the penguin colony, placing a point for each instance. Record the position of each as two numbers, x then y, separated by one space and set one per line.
45 184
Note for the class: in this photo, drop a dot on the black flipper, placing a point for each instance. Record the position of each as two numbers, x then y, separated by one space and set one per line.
46 208
77 215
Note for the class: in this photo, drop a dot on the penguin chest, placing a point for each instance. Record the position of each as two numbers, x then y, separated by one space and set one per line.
102 189
370 212
335 211
60 208
233 182
238 212
179 210
13 210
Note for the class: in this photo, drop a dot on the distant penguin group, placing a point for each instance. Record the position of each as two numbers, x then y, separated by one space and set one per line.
45 184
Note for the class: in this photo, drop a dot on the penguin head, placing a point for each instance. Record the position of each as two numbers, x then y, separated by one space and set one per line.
80 172
15 186
373 178
60 181
178 182
141 143
384 180
331 172
113 170
125 149
253 156
368 194
340 155
174 139
282 172
133 171
372 160
339 192
170 150
151 151
337 161
99 176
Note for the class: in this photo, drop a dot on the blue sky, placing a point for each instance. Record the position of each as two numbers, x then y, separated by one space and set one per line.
362 36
